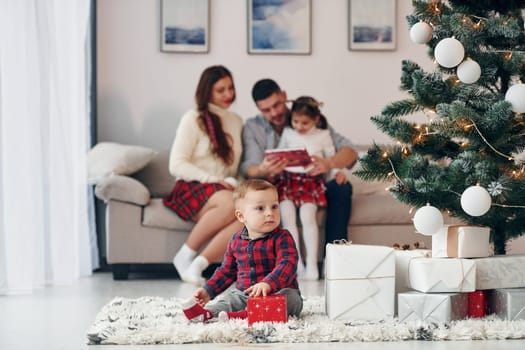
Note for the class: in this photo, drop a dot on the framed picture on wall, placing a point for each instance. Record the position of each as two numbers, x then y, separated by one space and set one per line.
372 24
279 27
185 26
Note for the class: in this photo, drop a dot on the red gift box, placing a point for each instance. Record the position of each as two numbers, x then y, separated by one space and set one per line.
477 304
270 308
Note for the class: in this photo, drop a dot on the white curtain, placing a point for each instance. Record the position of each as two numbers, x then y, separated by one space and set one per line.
44 136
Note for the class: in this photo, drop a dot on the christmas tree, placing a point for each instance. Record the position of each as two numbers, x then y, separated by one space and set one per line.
467 156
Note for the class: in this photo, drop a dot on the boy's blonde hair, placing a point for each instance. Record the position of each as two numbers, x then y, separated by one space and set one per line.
251 185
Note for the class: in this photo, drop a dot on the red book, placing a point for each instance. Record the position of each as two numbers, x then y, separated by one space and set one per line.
295 156
477 304
271 308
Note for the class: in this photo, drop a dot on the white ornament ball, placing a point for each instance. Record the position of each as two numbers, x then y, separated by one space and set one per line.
449 52
469 71
421 33
476 200
516 96
428 220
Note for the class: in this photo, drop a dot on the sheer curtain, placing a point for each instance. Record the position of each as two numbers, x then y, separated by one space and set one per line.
44 136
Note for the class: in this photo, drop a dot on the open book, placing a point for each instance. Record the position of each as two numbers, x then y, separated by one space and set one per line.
295 156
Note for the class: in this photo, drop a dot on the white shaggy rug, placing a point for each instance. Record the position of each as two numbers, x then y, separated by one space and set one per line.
155 320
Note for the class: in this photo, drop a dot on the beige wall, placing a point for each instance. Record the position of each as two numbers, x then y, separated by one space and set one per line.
142 92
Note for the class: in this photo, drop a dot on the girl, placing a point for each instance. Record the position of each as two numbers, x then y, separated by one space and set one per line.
307 128
204 156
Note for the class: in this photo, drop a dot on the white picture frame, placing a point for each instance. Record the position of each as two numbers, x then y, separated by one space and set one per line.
185 26
372 24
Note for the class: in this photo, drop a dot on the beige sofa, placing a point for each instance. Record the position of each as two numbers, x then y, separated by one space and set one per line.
140 230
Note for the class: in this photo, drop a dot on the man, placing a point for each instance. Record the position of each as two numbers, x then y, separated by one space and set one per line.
264 131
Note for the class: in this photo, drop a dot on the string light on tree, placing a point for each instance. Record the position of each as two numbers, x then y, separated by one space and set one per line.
421 33
476 201
449 52
428 220
477 89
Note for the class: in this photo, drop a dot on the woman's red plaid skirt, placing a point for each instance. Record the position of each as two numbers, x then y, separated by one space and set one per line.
187 198
301 188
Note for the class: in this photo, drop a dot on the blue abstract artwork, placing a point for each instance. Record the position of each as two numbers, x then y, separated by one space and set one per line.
279 26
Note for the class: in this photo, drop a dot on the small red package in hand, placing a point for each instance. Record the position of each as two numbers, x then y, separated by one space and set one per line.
270 308
477 304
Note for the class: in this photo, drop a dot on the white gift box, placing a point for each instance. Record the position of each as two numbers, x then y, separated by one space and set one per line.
359 282
457 241
500 271
508 303
435 307
403 258
429 275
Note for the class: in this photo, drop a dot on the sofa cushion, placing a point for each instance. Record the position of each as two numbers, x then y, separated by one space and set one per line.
122 188
379 208
156 176
110 158
155 214
362 187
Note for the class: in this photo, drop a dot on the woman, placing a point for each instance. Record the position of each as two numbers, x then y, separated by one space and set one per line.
204 157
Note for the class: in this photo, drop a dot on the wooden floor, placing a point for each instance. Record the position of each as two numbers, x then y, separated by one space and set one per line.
58 317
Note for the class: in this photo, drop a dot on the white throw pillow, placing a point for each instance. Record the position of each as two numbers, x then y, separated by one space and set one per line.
110 158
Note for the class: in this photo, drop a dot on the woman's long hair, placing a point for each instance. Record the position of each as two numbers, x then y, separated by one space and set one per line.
310 107
210 122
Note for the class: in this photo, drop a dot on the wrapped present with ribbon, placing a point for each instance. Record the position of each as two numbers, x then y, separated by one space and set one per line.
477 304
457 241
403 257
442 275
507 303
359 281
270 308
500 271
432 307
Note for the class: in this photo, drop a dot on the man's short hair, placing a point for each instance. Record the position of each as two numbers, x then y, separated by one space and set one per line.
264 88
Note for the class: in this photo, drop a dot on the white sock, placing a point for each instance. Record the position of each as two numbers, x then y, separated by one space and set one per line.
193 274
183 258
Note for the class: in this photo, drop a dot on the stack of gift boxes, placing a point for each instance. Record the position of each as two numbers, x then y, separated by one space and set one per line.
455 280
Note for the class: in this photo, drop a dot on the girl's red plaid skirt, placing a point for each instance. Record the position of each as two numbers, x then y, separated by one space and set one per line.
301 188
187 198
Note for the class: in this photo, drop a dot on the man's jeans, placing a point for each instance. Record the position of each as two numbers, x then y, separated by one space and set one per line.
339 198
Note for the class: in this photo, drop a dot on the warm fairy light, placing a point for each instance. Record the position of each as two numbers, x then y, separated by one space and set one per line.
508 56
385 154
433 7
477 25
468 127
